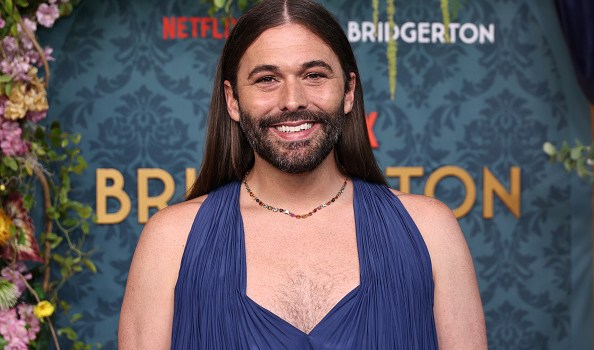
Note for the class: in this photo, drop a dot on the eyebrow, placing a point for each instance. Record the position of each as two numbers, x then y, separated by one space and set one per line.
272 68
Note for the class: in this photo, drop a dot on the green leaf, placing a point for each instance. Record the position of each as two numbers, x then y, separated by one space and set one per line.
65 306
84 227
3 343
58 258
8 7
549 149
575 153
21 238
69 332
22 3
39 290
11 163
8 86
75 317
84 211
219 4
40 151
56 243
75 139
242 4
29 168
28 201
52 236
5 78
65 9
582 171
90 265
80 166
568 164
52 213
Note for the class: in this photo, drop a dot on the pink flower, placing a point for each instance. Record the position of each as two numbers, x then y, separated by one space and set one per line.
2 23
26 313
47 14
11 142
15 275
17 67
36 116
32 25
10 44
18 328
3 100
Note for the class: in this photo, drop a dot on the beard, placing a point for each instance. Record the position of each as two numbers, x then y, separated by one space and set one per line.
294 157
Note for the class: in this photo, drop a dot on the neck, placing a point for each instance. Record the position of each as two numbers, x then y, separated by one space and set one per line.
300 192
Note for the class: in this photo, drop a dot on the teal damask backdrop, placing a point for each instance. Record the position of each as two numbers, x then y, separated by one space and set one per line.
141 102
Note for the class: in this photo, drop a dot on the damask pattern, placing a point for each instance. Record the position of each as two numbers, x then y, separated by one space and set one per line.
141 102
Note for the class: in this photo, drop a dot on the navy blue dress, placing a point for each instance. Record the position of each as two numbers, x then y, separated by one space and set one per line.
392 308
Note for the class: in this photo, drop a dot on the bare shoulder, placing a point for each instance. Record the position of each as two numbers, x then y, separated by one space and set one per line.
458 310
173 221
152 278
433 218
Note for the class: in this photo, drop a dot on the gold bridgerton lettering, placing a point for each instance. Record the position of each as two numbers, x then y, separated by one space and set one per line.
110 186
115 191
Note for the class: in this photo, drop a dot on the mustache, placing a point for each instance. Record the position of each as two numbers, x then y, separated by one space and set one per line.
316 117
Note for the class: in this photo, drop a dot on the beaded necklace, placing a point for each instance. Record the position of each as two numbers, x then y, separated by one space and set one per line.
287 212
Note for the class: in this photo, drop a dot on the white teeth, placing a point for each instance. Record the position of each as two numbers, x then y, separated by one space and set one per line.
286 128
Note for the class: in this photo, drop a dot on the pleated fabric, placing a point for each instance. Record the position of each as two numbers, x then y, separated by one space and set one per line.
392 308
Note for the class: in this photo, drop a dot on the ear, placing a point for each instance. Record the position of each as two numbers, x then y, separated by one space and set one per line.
232 103
349 95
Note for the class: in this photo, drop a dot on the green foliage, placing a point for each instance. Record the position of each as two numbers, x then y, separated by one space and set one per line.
61 157
228 6
578 158
445 13
392 51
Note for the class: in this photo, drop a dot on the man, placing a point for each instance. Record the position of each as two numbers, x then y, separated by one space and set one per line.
253 260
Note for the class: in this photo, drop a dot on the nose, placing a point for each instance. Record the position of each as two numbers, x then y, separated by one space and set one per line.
293 96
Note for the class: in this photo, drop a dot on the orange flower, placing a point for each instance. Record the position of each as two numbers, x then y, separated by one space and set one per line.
5 224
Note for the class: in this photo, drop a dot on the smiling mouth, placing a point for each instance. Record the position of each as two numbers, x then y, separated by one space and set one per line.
296 128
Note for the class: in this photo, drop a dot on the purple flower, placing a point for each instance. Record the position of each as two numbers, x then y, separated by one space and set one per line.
10 44
27 315
2 23
32 25
17 67
36 116
15 276
11 142
18 328
47 14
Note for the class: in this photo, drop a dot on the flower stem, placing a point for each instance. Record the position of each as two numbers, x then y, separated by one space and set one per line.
40 51
49 321
47 203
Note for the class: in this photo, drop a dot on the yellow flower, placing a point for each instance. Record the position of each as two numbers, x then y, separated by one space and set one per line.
43 309
5 224
17 94
14 111
25 98
36 99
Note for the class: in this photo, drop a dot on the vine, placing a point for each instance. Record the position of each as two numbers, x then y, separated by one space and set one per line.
36 165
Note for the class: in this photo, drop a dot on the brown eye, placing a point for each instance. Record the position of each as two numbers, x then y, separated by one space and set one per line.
265 79
316 76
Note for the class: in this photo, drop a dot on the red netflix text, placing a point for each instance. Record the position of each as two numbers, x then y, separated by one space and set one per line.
196 27
370 119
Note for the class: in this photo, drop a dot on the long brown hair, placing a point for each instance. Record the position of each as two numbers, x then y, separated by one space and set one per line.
228 155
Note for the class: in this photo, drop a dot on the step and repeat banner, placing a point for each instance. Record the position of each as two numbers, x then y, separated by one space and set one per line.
467 126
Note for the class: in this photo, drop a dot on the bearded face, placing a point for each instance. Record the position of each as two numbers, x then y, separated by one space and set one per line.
265 135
